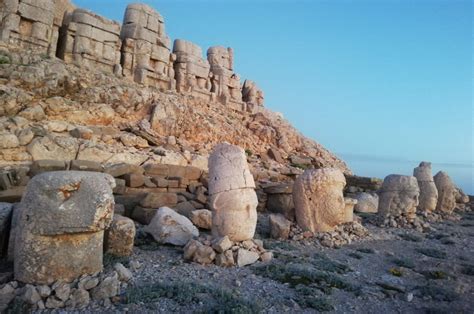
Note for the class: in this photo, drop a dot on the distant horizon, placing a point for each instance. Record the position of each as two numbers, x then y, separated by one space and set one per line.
388 80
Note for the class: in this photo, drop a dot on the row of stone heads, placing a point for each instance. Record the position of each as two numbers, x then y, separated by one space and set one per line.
139 49
320 204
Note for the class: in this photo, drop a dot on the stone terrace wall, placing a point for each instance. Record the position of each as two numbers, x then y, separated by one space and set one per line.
146 55
138 50
90 40
28 23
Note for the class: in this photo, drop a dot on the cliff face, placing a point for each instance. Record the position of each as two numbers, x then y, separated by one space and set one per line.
133 92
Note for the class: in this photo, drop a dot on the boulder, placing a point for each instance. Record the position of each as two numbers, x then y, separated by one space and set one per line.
202 218
280 200
366 203
167 226
204 255
119 238
428 191
245 257
446 193
232 196
279 226
60 231
398 197
319 200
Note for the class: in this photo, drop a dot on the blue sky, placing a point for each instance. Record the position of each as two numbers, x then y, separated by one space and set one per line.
388 79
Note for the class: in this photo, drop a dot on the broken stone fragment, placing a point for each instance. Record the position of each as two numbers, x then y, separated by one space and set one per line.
202 218
279 226
167 226
120 236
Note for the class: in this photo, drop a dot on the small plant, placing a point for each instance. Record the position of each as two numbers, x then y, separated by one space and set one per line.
411 237
407 263
4 59
431 252
397 272
435 274
185 292
439 293
366 250
467 269
248 152
110 260
447 241
355 255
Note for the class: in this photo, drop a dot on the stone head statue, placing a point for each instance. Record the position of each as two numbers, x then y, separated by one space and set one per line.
319 200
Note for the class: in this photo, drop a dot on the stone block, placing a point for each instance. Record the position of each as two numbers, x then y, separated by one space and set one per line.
157 200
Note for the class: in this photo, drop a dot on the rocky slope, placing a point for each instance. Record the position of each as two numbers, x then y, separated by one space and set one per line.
45 103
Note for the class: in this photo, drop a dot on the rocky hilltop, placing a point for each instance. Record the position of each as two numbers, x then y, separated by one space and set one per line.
76 85
137 176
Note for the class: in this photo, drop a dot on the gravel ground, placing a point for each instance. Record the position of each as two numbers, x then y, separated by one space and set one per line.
395 271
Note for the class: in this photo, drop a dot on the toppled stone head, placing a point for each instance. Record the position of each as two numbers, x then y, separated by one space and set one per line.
319 200
60 231
232 195
428 190
399 197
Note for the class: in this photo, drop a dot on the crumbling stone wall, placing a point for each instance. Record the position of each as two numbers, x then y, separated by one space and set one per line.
192 71
139 50
90 40
146 55
28 23
225 83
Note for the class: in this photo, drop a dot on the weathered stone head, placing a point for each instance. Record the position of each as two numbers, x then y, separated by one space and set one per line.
428 190
232 196
220 57
319 200
60 230
399 196
446 193
251 93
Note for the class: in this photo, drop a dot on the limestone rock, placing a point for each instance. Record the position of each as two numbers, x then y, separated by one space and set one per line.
202 218
366 203
428 190
119 238
245 257
225 259
232 196
319 200
8 140
108 288
53 148
204 255
222 244
446 193
123 273
167 226
80 298
279 226
63 214
399 196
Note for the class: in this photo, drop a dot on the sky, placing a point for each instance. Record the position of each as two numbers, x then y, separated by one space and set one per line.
372 80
